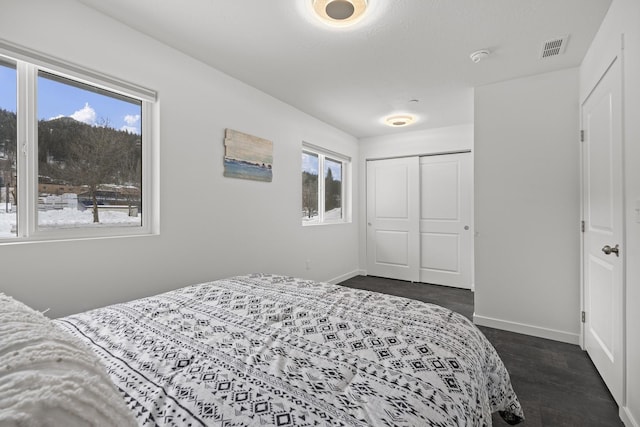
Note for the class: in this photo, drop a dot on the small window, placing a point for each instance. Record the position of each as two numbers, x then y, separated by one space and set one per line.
323 186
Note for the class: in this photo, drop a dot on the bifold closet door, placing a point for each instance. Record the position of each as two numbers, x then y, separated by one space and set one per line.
446 229
393 218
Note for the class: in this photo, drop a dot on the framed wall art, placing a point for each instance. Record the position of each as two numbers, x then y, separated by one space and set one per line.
247 156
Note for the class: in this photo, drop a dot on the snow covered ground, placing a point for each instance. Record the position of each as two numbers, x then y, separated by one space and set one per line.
73 218
332 215
67 218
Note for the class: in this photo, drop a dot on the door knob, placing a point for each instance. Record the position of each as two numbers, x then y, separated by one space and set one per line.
608 250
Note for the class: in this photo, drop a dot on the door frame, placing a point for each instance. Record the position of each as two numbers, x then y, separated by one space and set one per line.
614 55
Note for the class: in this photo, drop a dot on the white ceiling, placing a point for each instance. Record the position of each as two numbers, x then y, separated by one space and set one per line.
352 77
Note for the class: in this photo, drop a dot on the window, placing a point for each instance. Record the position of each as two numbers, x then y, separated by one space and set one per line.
323 199
83 169
8 149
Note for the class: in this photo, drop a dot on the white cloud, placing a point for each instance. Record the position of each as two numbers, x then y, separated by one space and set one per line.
131 120
57 117
130 129
85 115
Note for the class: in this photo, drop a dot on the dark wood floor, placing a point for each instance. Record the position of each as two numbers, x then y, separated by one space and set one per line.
556 383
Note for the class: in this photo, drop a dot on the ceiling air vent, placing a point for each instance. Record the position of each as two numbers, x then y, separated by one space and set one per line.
553 47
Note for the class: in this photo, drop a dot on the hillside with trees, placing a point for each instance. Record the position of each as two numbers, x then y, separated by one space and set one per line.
309 194
332 193
76 154
8 148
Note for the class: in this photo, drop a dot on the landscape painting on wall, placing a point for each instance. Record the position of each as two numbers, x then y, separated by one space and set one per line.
247 156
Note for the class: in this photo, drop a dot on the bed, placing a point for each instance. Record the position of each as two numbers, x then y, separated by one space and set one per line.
269 350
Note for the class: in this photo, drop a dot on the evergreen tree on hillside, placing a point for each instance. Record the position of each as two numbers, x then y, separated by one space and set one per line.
8 151
7 128
328 193
332 192
79 154
54 137
309 193
75 153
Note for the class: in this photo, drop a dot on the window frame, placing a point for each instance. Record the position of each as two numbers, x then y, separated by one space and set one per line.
28 63
322 155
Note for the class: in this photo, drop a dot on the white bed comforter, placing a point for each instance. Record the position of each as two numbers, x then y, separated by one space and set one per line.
265 350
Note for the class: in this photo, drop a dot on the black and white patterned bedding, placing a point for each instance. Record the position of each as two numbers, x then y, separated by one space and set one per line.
265 350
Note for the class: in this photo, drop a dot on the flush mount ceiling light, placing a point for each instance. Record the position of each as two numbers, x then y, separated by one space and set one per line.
339 12
479 55
399 120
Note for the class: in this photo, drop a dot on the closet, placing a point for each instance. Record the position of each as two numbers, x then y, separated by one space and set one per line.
419 219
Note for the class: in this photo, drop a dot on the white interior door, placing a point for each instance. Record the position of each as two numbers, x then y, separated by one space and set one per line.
446 235
603 256
392 218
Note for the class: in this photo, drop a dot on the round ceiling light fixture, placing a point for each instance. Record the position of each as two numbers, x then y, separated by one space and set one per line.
399 120
339 12
479 55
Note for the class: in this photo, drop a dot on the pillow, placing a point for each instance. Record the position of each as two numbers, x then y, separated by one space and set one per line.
49 378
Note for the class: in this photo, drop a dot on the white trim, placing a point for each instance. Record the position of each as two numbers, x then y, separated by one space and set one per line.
317 149
522 328
151 172
627 418
76 72
342 278
26 152
582 154
28 97
436 153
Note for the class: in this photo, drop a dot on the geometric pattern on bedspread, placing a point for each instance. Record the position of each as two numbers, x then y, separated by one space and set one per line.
263 350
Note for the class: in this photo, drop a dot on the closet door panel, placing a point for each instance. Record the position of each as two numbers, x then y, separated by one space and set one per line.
446 235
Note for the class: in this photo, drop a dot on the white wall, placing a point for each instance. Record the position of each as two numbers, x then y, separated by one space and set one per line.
624 18
211 226
527 205
439 140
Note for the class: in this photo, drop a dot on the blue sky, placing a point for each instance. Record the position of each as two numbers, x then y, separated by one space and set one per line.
56 99
309 163
7 88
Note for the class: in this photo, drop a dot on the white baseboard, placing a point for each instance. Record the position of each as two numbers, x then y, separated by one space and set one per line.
344 277
627 418
525 329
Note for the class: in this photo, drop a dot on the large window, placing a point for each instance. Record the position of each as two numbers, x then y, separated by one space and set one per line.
82 168
323 186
